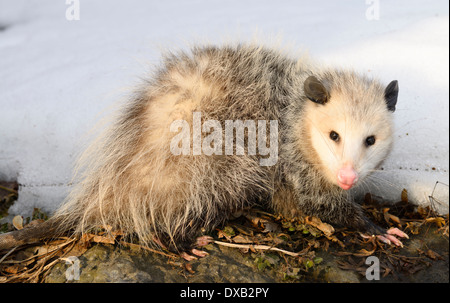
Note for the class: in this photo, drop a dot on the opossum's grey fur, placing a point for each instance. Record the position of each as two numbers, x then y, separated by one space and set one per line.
133 183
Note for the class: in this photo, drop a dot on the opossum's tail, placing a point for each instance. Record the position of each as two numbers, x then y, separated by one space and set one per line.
32 235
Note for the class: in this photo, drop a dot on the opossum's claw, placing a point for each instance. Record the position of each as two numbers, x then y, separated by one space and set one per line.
187 256
195 253
389 236
199 242
397 232
384 239
388 239
203 240
199 253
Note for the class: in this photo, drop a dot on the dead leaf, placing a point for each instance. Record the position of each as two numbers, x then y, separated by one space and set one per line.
389 217
335 239
386 272
86 238
241 239
104 239
423 211
77 250
257 222
414 227
13 269
364 253
221 234
17 221
433 255
326 228
44 249
404 195
439 221
188 267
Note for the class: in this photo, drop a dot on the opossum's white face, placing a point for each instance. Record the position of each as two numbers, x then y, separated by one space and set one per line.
350 134
348 148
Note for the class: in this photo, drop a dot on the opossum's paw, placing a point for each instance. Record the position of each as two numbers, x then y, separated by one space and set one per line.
389 236
200 241
203 241
194 254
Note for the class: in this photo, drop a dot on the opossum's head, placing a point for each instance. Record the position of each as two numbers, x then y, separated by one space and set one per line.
349 121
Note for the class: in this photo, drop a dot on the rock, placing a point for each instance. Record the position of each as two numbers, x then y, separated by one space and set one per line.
110 263
113 263
107 263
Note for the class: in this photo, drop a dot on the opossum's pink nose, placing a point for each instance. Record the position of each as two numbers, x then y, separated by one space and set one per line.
347 177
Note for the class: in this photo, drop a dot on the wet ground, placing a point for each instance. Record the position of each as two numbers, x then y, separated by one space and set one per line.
308 250
424 258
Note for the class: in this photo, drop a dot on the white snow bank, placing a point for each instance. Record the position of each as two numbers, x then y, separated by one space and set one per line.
58 76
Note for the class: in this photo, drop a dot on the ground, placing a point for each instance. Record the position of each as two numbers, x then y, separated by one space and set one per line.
257 246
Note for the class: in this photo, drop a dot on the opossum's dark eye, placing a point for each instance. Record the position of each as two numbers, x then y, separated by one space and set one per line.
370 141
334 136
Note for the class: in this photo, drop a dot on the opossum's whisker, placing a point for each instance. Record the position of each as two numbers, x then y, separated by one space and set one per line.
380 170
369 185
391 184
372 154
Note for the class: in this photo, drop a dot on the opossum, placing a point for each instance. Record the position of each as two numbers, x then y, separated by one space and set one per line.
326 130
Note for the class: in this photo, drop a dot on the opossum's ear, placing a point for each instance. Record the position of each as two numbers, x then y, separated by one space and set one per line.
315 91
391 94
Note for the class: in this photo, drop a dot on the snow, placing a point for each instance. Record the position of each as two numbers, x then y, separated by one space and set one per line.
58 77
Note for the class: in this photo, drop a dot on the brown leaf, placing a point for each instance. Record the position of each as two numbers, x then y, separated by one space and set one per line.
12 269
439 221
326 228
414 227
433 255
423 211
222 234
104 239
241 239
17 221
326 245
389 217
386 272
335 239
364 253
78 249
44 249
404 196
86 238
188 267
258 222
